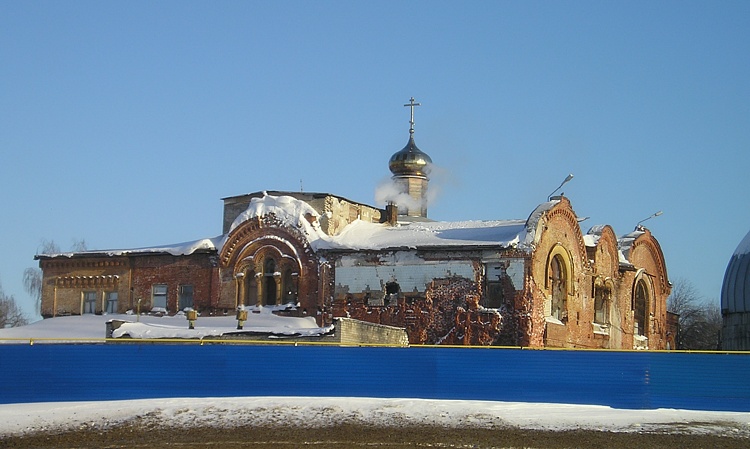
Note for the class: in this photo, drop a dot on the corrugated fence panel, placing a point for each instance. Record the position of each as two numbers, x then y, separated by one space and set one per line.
80 372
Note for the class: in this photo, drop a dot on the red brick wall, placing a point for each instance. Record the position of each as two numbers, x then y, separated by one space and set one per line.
173 271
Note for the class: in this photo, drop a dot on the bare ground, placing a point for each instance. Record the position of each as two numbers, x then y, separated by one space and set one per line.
137 434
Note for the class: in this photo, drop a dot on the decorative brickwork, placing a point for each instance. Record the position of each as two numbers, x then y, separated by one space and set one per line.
265 261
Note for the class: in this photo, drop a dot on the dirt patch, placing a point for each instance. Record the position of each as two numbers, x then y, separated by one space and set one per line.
141 435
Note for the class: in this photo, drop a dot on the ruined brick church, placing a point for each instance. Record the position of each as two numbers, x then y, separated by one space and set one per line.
538 281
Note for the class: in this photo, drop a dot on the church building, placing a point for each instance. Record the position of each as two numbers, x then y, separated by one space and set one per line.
538 281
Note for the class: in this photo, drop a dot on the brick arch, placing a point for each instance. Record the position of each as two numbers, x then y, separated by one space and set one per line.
567 263
607 245
561 255
646 252
558 227
562 217
248 245
253 275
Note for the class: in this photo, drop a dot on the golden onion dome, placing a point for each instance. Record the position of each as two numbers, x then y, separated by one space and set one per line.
410 160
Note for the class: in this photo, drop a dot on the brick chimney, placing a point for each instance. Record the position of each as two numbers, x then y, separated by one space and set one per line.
391 214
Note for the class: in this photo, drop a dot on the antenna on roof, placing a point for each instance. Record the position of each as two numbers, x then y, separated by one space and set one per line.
565 181
638 226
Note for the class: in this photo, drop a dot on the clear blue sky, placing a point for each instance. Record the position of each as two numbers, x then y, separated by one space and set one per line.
124 123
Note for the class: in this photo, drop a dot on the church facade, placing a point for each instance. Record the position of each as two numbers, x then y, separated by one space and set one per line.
538 281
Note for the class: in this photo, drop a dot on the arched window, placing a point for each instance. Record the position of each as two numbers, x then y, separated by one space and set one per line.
559 287
640 308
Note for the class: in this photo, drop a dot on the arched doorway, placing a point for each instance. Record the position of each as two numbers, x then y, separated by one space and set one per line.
270 280
271 265
250 291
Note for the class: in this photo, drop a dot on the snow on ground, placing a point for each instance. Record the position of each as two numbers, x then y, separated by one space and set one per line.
316 412
93 327
302 411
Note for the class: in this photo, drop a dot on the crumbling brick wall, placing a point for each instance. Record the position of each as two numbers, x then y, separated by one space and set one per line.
448 314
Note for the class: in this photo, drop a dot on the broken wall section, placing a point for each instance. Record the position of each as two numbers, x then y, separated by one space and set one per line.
450 299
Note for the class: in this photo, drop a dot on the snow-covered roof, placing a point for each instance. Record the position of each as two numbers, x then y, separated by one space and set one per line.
594 234
375 236
625 244
363 235
591 238
177 249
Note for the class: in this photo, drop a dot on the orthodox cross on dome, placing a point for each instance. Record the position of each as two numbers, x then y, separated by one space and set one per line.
412 105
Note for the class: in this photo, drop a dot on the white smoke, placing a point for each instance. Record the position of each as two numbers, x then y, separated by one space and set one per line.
392 191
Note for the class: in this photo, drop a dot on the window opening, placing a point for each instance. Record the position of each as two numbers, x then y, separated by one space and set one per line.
159 296
186 297
112 302
559 288
602 296
496 278
89 302
269 268
641 309
391 292
289 286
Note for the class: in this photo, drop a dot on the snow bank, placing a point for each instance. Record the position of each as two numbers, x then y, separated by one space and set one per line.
93 327
317 412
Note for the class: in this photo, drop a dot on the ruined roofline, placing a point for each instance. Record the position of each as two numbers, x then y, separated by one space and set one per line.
302 196
430 248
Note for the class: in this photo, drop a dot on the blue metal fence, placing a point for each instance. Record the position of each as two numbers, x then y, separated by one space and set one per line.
637 380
